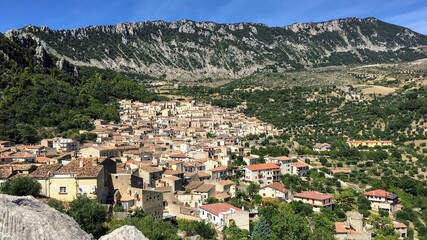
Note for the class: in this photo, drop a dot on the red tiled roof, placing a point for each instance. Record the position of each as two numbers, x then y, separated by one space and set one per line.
43 159
217 208
300 164
399 225
377 193
218 169
341 227
262 166
313 195
277 186
178 155
282 158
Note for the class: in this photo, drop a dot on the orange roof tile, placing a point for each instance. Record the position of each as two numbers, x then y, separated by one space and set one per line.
218 169
217 208
313 195
300 164
377 193
277 186
262 166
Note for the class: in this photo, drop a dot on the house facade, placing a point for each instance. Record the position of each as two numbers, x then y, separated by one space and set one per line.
224 214
381 199
263 174
316 199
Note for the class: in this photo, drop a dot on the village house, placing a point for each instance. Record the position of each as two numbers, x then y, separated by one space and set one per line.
263 174
61 144
224 214
401 229
150 175
275 190
42 174
100 151
300 168
82 176
316 199
251 159
321 147
219 173
381 199
284 162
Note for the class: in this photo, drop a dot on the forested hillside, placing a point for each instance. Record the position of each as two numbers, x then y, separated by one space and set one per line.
41 101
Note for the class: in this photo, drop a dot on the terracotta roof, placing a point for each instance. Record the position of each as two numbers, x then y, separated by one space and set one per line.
218 169
43 159
226 182
204 188
300 164
6 172
277 186
313 195
342 228
203 175
399 225
217 208
150 169
45 171
89 168
377 193
178 155
193 185
262 166
173 178
282 158
172 172
320 145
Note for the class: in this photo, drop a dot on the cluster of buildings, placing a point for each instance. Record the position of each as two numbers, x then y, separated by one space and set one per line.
167 158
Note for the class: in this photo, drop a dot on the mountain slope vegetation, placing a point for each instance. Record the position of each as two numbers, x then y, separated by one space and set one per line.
38 101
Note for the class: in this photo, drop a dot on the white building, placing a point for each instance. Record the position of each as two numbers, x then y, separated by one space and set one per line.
381 199
263 174
224 214
316 199
275 190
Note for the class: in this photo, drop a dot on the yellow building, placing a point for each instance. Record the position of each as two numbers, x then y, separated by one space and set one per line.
370 143
82 176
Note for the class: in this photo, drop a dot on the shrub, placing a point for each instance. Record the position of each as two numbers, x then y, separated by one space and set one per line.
22 186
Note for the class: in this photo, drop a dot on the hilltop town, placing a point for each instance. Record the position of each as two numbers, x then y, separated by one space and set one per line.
182 160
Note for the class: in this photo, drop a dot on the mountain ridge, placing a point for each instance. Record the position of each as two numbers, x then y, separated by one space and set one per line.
186 49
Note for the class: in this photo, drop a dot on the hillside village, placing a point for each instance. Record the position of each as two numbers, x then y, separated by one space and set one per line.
172 159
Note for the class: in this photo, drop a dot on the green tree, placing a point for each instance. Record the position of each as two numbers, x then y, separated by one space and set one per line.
262 230
252 189
89 214
56 204
22 186
232 232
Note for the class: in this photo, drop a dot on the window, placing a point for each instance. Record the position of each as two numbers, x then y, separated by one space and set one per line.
62 189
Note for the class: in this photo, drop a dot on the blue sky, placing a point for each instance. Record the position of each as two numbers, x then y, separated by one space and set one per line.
64 14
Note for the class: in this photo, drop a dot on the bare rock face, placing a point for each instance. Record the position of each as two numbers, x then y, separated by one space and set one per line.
188 50
28 218
125 233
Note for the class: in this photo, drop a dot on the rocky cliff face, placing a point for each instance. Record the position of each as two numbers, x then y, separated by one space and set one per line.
27 218
196 50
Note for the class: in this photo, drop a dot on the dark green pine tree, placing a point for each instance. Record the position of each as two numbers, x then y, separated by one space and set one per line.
262 230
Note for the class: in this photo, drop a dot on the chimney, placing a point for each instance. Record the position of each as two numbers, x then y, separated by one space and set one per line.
80 163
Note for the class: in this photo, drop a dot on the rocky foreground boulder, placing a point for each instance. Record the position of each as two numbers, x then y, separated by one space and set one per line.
125 233
28 218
